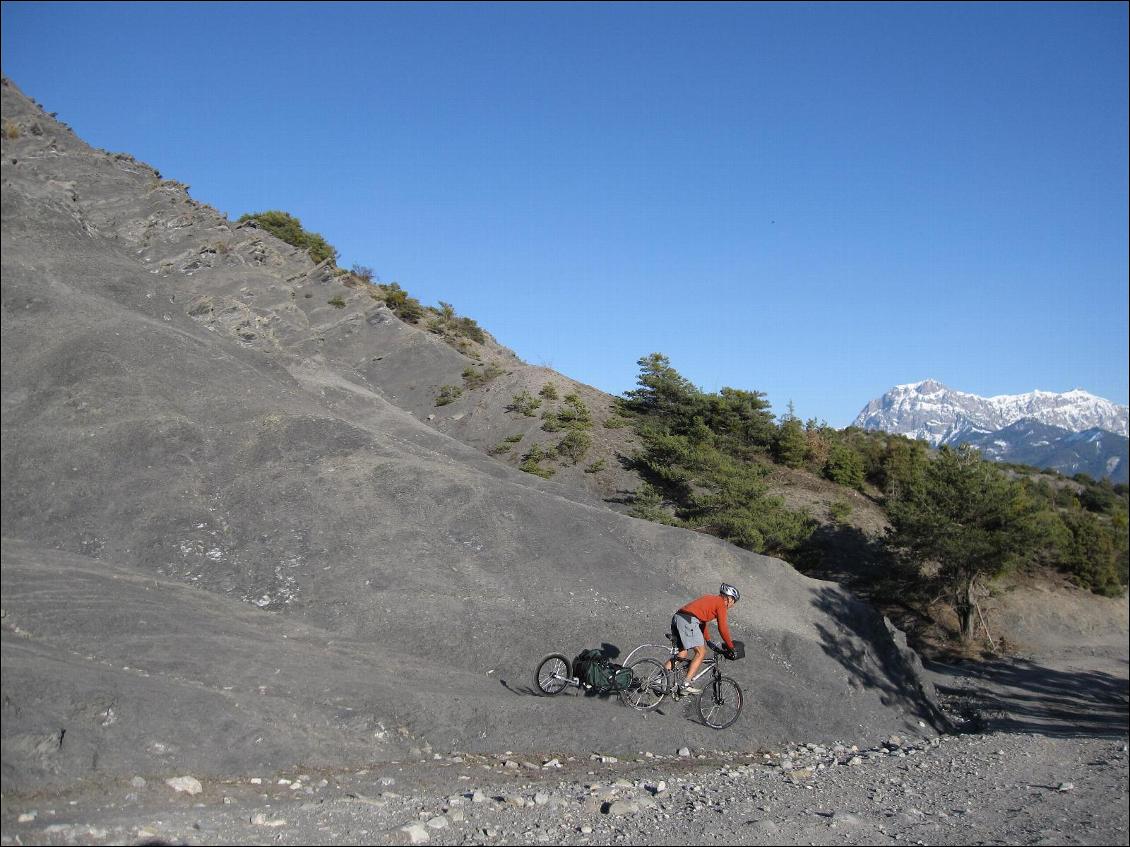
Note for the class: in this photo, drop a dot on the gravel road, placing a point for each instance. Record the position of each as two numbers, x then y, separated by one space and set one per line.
1011 782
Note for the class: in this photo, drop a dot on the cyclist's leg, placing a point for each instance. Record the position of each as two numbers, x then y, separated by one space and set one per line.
692 640
679 645
696 662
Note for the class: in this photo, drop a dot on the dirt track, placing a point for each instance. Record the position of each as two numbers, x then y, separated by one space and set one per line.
1047 764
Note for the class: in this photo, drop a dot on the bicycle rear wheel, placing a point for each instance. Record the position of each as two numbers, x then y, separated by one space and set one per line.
720 702
553 675
648 686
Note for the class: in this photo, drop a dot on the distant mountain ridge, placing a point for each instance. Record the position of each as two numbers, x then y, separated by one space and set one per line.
1071 432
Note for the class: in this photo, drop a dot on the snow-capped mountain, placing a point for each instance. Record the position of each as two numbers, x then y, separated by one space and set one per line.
1095 452
941 415
1071 432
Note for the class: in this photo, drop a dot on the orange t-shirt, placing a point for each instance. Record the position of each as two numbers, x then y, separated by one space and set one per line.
707 608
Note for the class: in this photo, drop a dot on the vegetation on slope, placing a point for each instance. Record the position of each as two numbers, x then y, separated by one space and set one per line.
288 228
955 519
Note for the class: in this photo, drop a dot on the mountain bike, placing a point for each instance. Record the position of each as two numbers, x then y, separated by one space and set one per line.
721 699
633 684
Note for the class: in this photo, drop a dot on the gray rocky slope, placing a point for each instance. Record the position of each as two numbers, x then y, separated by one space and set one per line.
234 542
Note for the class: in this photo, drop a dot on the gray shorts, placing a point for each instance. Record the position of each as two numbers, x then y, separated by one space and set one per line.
689 631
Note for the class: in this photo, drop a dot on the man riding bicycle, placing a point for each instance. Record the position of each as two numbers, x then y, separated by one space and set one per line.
689 626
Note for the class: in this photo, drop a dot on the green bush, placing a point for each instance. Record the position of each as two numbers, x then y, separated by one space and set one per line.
473 378
405 307
574 414
363 273
839 510
288 228
844 467
531 462
451 326
549 391
525 403
337 301
448 394
574 445
647 503
595 467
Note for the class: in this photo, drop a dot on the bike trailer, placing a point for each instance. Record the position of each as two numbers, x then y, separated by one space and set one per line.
594 669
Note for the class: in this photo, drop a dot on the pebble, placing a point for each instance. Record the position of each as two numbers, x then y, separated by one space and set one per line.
619 808
187 784
414 833
260 819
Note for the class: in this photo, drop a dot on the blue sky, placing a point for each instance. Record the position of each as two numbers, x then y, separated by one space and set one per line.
814 201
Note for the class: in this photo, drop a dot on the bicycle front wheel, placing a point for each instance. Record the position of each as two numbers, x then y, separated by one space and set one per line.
553 675
720 702
648 686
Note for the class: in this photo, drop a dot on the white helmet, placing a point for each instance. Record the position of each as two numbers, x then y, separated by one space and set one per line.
727 590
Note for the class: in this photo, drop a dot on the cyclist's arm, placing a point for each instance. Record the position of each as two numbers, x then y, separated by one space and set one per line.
724 628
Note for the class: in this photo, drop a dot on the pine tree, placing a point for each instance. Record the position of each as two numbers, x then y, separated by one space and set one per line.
791 446
663 390
969 519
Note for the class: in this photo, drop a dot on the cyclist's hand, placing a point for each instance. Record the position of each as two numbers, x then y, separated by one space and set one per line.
729 653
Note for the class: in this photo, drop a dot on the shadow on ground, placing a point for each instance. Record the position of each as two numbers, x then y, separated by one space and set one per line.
1021 695
855 638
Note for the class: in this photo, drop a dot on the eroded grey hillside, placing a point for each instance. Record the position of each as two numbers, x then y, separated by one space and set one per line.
233 541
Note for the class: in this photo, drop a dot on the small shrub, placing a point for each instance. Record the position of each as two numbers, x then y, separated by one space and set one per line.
574 445
515 438
455 328
405 307
448 394
615 422
471 329
11 130
337 301
500 448
477 378
531 462
647 503
575 414
288 228
363 273
525 403
549 391
595 467
844 467
839 510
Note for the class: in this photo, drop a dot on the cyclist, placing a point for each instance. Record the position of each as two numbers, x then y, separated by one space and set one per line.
689 626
